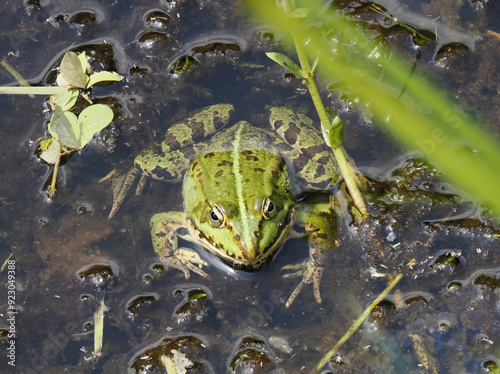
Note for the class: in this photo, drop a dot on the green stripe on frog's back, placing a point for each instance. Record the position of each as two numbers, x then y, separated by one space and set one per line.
197 127
238 181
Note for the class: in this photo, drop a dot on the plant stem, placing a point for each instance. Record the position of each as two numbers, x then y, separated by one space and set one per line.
339 152
356 324
32 90
52 190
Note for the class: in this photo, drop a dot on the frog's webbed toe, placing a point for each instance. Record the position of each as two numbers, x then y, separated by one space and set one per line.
310 273
185 260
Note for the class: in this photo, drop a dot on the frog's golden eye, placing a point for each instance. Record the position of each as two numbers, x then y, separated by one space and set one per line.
217 217
268 208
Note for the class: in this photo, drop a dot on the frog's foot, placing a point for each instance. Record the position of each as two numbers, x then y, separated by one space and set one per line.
185 260
310 272
121 192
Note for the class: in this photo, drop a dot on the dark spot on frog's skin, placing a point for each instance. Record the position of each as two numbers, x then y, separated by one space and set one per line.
158 150
281 166
322 160
257 234
282 163
252 158
259 169
194 164
219 173
210 155
139 169
237 237
225 163
292 133
161 174
312 151
202 236
247 152
278 124
182 231
160 234
319 171
171 142
197 130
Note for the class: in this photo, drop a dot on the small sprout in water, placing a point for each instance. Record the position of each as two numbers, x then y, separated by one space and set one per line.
286 62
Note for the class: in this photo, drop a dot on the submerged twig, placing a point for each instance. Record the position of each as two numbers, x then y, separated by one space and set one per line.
16 75
356 324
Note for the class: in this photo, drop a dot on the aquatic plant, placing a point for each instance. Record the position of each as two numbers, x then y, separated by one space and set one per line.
69 132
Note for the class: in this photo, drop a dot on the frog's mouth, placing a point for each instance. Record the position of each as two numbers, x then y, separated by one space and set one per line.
246 265
250 259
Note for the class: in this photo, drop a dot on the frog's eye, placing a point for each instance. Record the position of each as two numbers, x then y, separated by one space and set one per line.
217 217
268 208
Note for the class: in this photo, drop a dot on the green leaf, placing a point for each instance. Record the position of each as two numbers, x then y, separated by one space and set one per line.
103 76
64 127
331 115
65 100
93 119
315 63
73 71
50 148
83 61
336 132
286 62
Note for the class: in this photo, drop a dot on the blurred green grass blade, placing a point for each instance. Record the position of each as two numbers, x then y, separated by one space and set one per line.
32 90
425 118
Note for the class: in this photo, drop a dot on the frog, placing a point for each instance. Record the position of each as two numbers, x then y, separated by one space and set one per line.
241 186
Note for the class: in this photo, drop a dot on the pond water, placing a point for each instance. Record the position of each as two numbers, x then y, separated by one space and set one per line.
177 56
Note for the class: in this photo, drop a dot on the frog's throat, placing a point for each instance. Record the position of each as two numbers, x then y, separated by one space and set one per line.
245 229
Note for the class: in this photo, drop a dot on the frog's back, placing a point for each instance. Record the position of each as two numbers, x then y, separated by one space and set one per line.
242 136
241 155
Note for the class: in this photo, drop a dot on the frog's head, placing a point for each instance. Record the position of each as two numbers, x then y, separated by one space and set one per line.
246 238
242 219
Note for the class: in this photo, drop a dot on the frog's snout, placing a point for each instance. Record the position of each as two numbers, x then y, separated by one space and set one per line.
249 246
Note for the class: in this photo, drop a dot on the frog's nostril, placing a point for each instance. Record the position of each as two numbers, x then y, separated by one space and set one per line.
237 237
257 234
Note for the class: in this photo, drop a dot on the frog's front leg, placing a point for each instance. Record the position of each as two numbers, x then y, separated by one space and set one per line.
320 226
166 228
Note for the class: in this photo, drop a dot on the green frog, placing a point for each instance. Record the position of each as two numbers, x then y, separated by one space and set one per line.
239 190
